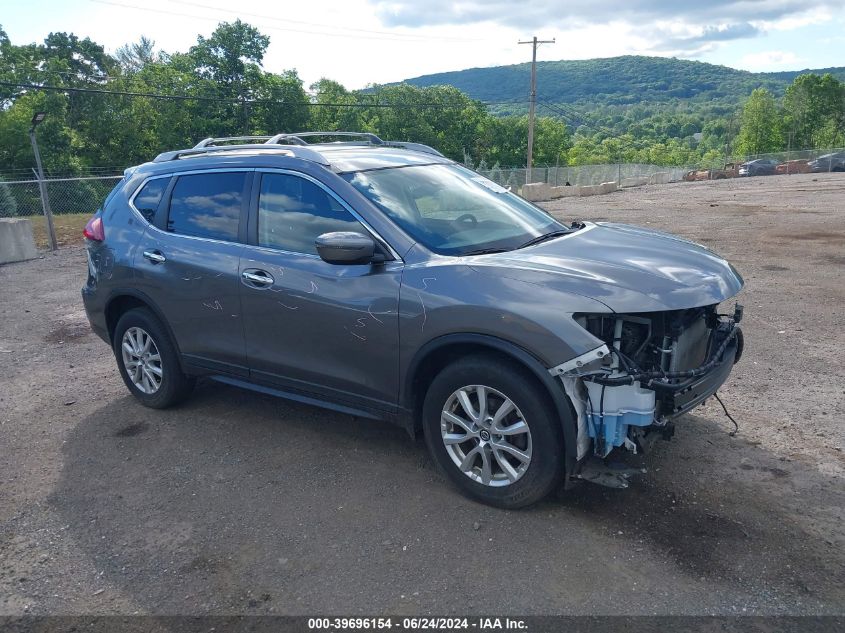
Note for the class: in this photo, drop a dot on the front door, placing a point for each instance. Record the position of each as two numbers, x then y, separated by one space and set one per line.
313 327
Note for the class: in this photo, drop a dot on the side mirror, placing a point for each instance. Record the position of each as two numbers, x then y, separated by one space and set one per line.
345 247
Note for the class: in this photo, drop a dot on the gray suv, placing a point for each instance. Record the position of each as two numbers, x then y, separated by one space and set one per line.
381 279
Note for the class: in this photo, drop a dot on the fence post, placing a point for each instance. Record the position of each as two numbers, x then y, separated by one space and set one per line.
45 199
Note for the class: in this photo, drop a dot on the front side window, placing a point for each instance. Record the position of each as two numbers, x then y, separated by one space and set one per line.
207 205
451 210
293 212
149 197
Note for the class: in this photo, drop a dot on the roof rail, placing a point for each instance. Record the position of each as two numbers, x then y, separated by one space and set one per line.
207 142
296 137
293 145
292 150
414 147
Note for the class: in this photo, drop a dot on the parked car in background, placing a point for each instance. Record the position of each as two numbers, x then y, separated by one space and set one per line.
731 170
383 280
829 162
800 166
759 167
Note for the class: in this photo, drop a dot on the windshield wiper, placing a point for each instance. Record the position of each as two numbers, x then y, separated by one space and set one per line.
486 251
544 237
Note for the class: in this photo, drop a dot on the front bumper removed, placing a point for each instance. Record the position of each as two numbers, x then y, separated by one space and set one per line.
615 408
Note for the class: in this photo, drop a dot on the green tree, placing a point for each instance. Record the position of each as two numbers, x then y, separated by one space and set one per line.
760 130
814 111
133 56
8 204
231 58
440 116
338 109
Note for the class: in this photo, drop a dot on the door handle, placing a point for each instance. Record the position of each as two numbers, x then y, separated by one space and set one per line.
259 277
155 257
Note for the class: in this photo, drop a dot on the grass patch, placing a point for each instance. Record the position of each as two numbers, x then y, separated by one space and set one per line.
68 229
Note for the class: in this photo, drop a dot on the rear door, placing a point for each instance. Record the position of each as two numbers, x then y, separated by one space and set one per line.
327 330
188 263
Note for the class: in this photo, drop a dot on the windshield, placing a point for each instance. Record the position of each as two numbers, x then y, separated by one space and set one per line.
451 210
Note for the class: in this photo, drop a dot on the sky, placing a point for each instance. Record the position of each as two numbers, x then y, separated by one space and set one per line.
359 42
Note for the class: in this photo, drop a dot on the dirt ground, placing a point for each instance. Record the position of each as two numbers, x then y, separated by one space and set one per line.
241 503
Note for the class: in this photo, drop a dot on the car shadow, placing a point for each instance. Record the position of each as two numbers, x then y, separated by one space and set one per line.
240 502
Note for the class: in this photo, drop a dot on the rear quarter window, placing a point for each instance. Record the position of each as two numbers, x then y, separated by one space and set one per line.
149 197
207 205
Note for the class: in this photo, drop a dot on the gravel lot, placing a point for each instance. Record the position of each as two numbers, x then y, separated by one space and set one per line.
241 503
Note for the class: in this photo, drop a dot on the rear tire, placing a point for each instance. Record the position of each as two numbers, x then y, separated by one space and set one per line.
148 361
480 449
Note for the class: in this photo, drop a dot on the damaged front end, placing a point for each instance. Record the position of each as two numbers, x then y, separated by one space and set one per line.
649 369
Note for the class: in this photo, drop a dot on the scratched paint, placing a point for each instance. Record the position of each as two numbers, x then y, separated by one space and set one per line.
425 314
425 281
215 305
358 336
370 312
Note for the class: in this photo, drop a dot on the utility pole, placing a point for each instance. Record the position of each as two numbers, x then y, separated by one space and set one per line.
532 100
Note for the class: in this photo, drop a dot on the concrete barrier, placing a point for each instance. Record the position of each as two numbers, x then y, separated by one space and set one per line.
637 181
589 190
539 191
660 178
16 243
566 192
536 191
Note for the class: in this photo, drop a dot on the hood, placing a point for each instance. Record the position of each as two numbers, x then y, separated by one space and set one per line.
627 268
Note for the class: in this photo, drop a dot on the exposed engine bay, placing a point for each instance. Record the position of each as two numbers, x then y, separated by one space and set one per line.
651 368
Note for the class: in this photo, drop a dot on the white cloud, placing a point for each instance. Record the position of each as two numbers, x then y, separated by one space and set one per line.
810 17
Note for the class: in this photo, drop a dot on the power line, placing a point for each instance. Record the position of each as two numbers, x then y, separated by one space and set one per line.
631 144
566 113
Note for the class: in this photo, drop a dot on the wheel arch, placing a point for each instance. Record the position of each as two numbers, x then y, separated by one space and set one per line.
439 352
121 301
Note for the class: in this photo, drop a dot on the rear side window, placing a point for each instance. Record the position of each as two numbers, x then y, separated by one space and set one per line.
293 212
207 205
149 197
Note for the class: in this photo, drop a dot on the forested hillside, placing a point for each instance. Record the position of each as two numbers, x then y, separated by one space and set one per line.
628 80
666 111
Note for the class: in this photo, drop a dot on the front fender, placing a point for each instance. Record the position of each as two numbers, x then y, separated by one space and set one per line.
563 408
452 298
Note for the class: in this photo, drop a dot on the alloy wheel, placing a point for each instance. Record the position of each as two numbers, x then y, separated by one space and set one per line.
142 360
486 435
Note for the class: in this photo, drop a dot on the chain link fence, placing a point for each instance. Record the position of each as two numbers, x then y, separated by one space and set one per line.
585 175
786 162
22 198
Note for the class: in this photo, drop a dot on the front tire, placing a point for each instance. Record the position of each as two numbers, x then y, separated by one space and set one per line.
492 431
148 361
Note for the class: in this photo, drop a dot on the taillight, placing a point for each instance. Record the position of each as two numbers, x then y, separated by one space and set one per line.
94 229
